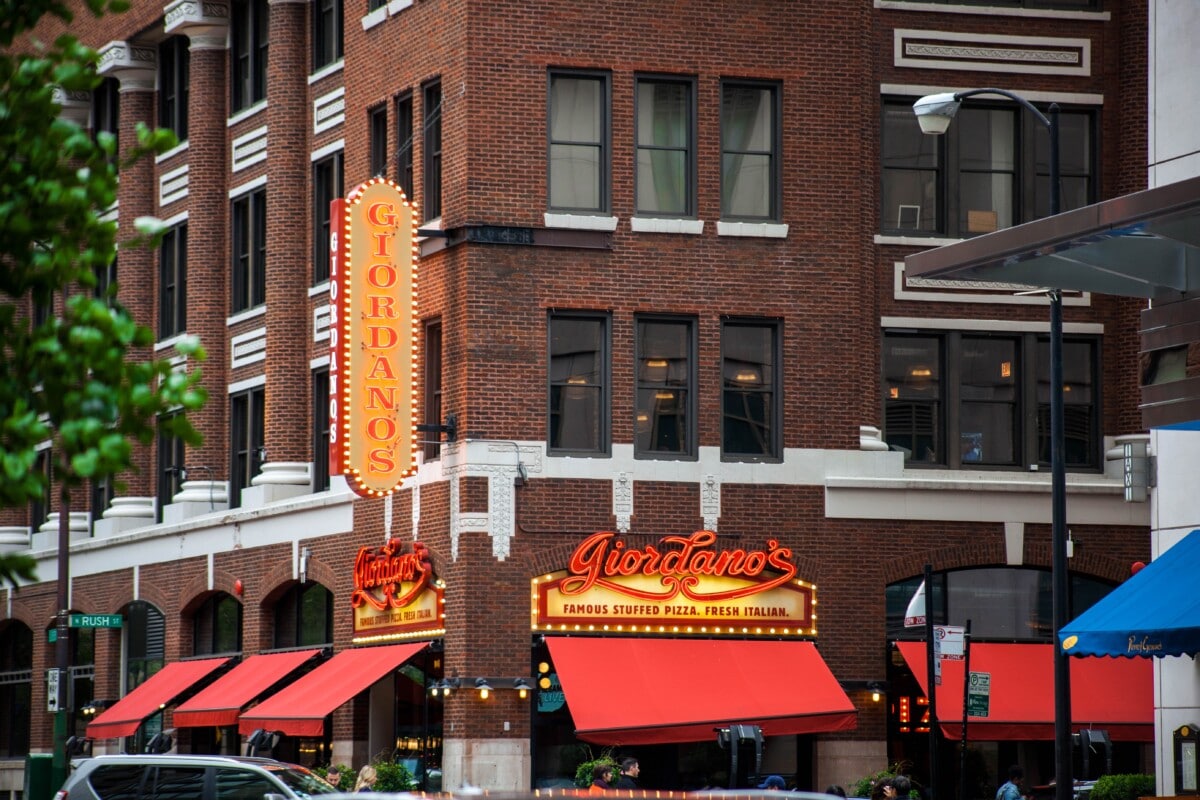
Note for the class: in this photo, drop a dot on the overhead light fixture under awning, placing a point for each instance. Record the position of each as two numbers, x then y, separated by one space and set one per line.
221 702
1156 612
1145 244
159 690
301 708
654 691
1021 702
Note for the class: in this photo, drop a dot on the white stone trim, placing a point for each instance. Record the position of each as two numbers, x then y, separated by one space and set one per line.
580 222
247 187
182 147
692 227
173 186
765 230
248 149
329 110
977 52
248 348
327 150
322 317
991 325
326 71
376 17
242 316
396 6
944 290
993 11
1063 98
246 113
249 383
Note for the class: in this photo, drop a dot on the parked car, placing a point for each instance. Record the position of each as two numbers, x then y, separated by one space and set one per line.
181 777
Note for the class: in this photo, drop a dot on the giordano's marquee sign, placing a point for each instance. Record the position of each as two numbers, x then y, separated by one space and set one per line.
685 584
396 595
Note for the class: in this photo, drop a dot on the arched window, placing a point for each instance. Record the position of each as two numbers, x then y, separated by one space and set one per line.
83 675
16 684
304 617
144 646
218 626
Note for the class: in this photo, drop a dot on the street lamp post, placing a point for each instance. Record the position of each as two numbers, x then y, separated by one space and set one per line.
934 113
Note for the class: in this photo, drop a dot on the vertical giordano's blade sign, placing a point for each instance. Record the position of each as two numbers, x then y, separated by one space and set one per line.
372 337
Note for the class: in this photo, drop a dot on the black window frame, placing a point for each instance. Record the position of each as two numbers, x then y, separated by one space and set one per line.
210 626
16 688
690 176
171 466
644 382
772 442
328 185
248 231
1030 181
377 139
39 507
291 620
775 173
405 120
321 421
431 166
328 33
1030 414
556 388
172 282
106 114
250 25
603 145
432 384
247 439
174 67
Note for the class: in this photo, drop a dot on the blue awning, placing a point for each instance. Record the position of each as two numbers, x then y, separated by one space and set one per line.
1154 613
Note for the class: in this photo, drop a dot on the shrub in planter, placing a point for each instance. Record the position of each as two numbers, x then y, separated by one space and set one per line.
583 773
1122 787
393 777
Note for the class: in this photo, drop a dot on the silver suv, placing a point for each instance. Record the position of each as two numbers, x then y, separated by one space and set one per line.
173 777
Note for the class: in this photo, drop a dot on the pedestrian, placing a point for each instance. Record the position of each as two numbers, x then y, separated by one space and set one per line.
773 783
602 778
897 787
333 775
366 779
630 769
1012 789
835 790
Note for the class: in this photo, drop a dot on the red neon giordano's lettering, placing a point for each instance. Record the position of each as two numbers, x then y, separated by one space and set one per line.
384 568
599 558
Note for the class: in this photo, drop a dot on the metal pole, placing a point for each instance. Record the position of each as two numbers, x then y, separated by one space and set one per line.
962 752
62 645
929 681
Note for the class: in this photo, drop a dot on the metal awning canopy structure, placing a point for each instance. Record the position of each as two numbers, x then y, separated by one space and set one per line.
1145 244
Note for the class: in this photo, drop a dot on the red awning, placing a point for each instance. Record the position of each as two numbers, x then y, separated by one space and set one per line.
655 691
301 708
1113 694
158 691
221 702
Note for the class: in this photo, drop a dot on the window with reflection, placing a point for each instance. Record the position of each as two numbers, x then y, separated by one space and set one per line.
83 677
247 418
217 626
750 408
320 396
304 616
665 174
327 32
579 394
248 55
431 98
665 421
16 686
433 387
171 465
578 127
143 650
327 187
174 58
750 151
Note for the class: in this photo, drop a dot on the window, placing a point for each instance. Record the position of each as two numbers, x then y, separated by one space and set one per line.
327 187
173 64
665 421
39 508
106 281
321 401
579 142
327 32
102 494
750 161
16 684
249 251
750 405
171 464
172 282
241 784
579 381
217 626
975 400
404 144
304 617
666 153
247 414
433 386
250 39
83 677
144 648
433 150
374 4
105 112
377 122
989 171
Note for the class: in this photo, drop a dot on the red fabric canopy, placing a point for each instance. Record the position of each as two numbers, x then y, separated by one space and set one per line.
1114 694
301 708
221 702
156 692
655 691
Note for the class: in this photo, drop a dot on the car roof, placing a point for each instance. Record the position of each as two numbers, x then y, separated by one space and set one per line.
158 758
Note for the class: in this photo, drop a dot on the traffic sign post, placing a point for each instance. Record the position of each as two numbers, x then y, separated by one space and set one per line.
979 688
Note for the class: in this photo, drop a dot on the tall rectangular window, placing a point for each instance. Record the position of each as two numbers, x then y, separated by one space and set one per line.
750 163
579 383
105 112
404 144
320 396
327 187
750 408
39 508
171 466
249 251
665 413
579 142
432 98
433 386
251 37
106 281
174 57
377 130
989 171
172 282
247 415
328 32
666 150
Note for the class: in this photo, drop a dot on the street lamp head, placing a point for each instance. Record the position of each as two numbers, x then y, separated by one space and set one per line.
934 111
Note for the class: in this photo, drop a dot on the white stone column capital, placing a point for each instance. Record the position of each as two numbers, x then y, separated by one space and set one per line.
134 65
204 22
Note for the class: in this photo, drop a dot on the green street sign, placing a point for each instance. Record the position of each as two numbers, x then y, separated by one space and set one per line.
979 686
97 621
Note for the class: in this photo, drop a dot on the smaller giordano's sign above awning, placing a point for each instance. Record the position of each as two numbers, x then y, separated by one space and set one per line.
396 595
684 585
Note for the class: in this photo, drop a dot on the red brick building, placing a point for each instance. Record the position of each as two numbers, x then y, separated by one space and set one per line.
661 291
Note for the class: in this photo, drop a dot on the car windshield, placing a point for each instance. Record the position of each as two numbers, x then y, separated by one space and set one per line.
301 781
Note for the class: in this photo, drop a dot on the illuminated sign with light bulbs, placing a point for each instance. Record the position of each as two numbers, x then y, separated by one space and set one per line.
396 595
373 338
684 585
